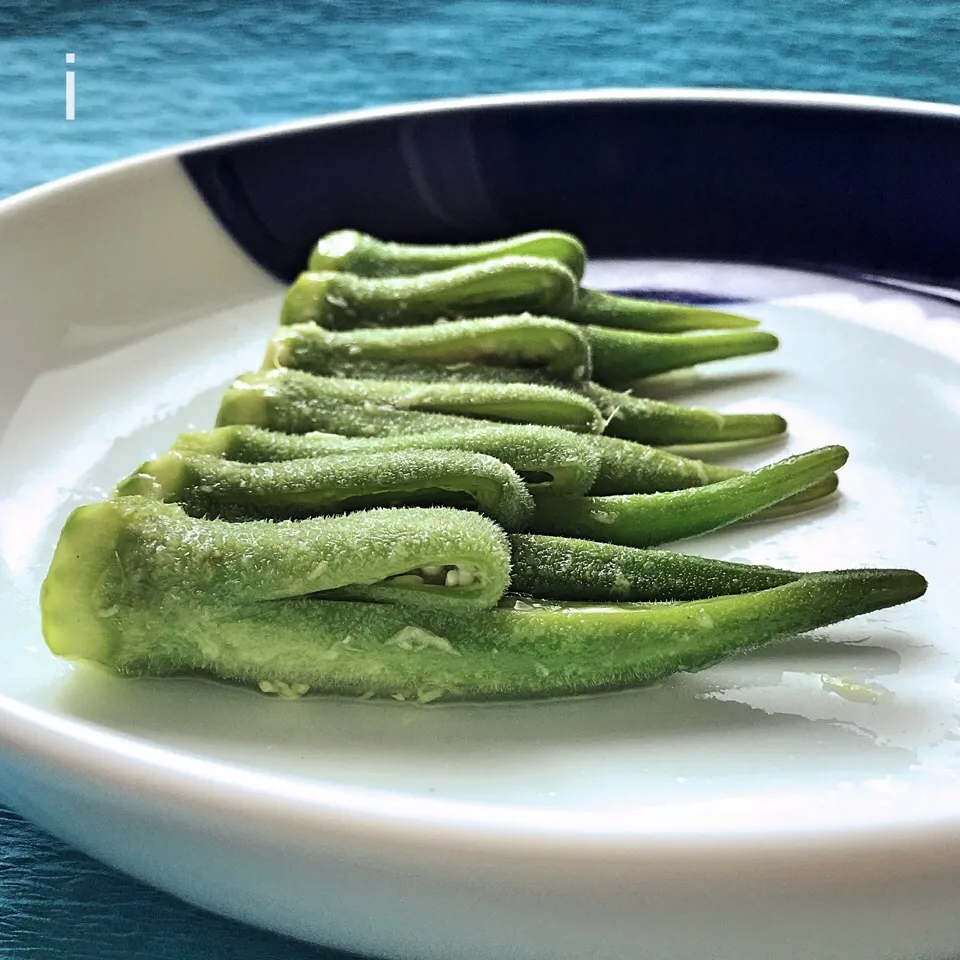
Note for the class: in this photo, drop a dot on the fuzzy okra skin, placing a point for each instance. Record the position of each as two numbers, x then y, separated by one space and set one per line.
621 357
349 251
562 568
629 313
343 301
238 602
369 354
655 422
617 466
131 554
547 459
646 520
207 486
288 399
558 348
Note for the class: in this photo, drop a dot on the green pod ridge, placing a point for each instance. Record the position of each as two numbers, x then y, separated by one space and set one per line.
343 301
207 486
652 421
561 568
646 520
255 399
626 467
547 459
557 347
200 605
621 357
133 557
629 313
350 251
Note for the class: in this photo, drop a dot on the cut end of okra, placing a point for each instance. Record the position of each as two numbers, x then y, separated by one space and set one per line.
350 251
78 623
245 401
306 300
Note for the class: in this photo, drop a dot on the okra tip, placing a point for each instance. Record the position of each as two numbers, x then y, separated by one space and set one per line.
159 479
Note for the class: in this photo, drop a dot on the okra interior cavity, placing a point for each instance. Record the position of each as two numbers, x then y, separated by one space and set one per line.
208 486
547 459
343 301
555 346
350 251
140 587
646 520
287 400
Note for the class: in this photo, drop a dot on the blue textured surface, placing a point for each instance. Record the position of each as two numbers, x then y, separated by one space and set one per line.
151 75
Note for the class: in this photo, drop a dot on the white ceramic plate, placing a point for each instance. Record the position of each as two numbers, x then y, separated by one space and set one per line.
801 802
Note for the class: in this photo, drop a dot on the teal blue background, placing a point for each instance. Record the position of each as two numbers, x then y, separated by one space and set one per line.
150 75
153 74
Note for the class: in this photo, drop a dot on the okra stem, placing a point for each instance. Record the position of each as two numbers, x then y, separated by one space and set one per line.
350 251
646 520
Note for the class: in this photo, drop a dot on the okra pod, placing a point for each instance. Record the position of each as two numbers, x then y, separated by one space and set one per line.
547 459
292 400
561 568
342 301
140 587
646 520
630 313
555 346
349 251
667 424
207 486
621 357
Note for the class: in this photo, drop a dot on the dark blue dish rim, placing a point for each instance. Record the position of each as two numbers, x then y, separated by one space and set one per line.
857 186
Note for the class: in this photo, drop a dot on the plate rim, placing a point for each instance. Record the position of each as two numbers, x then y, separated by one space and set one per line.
97 754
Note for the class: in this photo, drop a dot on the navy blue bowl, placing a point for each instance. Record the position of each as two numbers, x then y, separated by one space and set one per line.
850 185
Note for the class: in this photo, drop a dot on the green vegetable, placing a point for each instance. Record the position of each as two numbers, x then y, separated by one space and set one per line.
342 301
140 587
621 357
655 422
349 251
644 520
295 401
547 459
629 313
557 347
207 486
565 569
